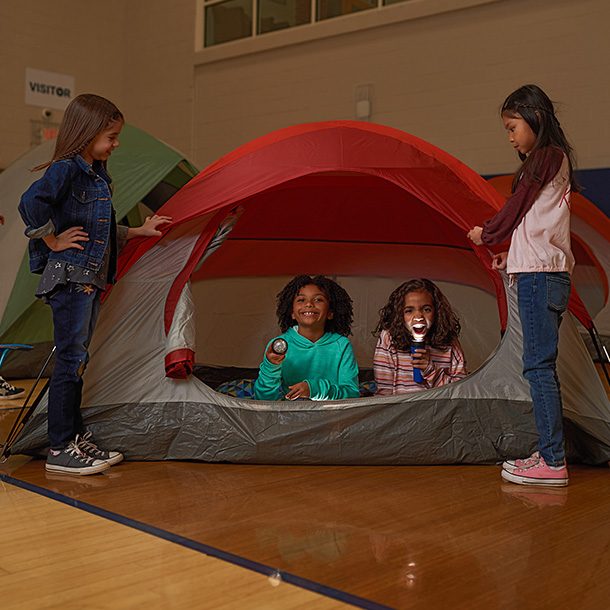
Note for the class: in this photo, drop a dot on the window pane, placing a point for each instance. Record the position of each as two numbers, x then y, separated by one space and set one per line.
280 14
334 8
226 21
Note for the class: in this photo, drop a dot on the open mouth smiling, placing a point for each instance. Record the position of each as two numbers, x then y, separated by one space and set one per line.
419 329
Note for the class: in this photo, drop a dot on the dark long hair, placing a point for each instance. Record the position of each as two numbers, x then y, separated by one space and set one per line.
340 303
445 329
532 104
86 116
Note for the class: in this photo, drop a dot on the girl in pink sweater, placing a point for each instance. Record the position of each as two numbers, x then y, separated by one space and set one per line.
536 219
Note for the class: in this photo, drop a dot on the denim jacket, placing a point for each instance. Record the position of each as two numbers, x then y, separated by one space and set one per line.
71 193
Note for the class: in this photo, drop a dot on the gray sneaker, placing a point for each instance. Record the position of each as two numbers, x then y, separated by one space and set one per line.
72 460
86 445
8 391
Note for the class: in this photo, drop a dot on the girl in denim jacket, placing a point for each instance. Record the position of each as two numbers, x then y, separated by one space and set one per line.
74 241
536 218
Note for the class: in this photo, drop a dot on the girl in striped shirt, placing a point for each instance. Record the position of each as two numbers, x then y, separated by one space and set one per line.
417 307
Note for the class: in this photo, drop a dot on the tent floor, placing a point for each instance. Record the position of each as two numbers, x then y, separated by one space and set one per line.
403 537
214 376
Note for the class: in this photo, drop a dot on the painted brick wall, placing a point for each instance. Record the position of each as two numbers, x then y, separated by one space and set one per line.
84 40
158 68
442 78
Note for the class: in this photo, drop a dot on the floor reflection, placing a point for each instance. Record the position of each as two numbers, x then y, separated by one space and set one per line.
407 537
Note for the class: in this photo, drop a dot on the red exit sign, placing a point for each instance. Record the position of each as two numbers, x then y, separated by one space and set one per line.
48 133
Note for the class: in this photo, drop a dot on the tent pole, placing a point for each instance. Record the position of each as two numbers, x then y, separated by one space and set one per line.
22 419
597 342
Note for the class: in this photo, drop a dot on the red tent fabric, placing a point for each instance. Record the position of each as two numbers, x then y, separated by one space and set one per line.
430 176
334 197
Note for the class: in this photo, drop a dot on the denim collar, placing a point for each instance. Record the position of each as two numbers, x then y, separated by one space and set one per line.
96 169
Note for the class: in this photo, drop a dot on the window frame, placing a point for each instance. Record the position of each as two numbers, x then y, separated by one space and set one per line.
376 16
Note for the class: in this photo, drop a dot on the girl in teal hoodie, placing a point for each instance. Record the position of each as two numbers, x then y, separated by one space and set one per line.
315 316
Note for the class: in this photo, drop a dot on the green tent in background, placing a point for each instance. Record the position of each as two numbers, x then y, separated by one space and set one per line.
144 171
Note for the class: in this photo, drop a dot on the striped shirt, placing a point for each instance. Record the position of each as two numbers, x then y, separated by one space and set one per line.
394 370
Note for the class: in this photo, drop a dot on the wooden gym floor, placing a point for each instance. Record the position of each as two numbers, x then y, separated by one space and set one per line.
194 535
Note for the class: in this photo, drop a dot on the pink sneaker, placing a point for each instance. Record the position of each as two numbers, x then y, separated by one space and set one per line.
511 465
538 474
530 496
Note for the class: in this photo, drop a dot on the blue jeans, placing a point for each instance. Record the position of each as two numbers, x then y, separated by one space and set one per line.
543 298
75 309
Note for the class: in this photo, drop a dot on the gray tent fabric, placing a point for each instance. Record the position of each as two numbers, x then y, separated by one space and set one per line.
598 308
130 405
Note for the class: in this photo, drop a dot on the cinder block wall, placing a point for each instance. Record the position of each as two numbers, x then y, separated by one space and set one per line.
440 77
158 69
84 40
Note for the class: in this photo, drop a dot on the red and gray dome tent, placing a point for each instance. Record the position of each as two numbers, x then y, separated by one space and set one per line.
371 206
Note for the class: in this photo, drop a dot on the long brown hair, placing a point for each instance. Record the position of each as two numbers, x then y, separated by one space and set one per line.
445 329
86 116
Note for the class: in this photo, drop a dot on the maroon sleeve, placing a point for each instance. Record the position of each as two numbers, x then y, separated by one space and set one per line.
500 227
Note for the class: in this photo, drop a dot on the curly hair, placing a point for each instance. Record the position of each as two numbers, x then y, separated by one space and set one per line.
445 328
340 303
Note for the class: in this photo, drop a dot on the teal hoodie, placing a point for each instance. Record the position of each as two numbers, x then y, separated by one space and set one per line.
328 366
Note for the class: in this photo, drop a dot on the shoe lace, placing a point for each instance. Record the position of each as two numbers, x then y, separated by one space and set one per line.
532 459
74 450
86 444
7 386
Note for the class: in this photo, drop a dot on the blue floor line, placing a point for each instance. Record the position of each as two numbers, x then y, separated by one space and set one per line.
255 566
